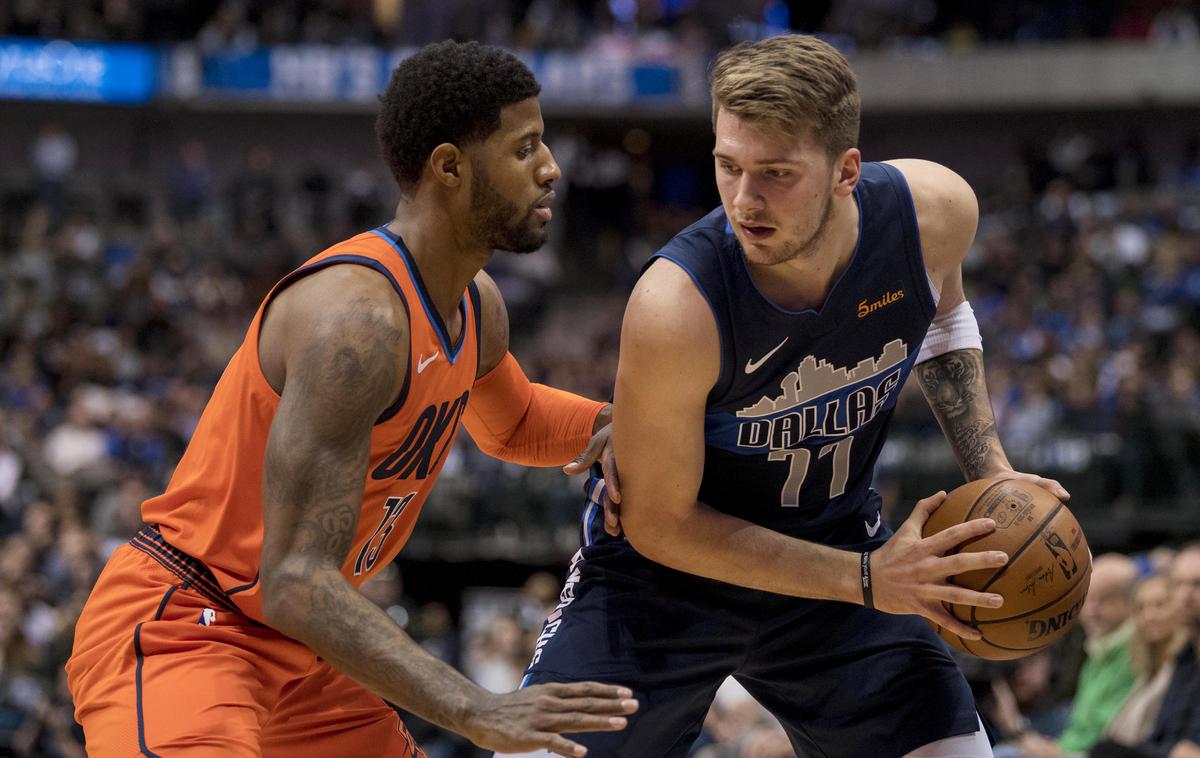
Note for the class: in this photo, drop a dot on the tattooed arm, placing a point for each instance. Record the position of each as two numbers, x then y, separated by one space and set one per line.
954 386
340 366
953 382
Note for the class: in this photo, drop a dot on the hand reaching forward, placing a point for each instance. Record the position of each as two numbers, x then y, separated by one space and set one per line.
909 573
600 448
534 717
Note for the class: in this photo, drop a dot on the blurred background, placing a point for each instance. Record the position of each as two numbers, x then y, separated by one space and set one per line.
164 162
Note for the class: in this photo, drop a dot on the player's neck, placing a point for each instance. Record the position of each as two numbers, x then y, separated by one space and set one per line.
806 280
439 247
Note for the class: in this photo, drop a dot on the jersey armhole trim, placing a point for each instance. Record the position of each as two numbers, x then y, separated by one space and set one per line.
476 307
721 385
360 260
912 233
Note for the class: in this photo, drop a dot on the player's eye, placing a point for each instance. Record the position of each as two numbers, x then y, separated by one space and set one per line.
776 173
730 169
525 152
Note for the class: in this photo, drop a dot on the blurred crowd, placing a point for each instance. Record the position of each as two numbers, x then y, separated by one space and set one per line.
120 302
576 24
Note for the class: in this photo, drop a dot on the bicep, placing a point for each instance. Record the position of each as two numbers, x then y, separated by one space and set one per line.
669 361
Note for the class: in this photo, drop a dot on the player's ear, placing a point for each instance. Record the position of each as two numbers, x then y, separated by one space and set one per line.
446 164
847 169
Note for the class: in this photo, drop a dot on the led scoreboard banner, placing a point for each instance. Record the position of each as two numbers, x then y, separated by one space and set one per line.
32 69
36 69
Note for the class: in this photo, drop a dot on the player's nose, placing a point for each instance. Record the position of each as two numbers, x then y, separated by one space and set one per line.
549 172
747 199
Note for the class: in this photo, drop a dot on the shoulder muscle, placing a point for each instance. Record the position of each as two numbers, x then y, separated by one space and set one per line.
669 329
493 321
947 213
343 343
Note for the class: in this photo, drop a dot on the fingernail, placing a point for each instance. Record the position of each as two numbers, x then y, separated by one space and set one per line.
996 601
629 705
1002 557
617 722
973 635
624 692
991 523
580 750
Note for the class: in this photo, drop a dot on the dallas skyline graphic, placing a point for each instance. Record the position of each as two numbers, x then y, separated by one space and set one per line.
814 378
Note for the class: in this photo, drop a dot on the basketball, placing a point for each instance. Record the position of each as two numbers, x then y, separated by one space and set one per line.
1045 580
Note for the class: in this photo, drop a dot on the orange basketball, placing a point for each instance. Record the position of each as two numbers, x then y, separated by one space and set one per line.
1045 580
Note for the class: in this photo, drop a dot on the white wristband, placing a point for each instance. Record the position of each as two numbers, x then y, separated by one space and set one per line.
955 330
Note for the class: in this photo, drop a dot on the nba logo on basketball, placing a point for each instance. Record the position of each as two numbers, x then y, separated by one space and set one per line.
208 618
1058 548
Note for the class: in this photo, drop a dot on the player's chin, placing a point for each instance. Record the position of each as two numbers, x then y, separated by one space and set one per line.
762 253
529 240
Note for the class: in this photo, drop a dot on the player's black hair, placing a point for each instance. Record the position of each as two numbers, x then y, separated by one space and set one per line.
446 92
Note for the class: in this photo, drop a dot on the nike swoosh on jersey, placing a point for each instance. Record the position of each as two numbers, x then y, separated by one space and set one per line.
422 362
753 365
872 530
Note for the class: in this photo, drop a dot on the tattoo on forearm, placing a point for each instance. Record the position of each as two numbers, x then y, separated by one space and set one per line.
973 443
954 385
949 381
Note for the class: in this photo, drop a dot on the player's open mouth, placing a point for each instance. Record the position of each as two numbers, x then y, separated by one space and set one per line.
757 232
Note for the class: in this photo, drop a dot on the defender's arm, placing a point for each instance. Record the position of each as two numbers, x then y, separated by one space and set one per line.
516 420
669 361
343 366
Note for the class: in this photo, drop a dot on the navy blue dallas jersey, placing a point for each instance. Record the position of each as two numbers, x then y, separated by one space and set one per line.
800 410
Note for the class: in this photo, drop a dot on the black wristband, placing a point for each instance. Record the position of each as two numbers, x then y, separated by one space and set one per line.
865 564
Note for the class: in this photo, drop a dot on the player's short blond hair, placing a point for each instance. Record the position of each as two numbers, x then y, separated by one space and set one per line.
788 84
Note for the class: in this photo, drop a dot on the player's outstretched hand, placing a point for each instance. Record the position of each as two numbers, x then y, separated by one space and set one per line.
600 448
909 573
534 718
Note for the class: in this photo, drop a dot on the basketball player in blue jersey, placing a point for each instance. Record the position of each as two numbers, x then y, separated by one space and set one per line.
762 354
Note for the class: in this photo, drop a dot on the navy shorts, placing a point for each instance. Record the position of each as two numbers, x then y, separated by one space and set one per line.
844 681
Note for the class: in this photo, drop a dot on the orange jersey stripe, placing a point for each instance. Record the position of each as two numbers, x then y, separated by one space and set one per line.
212 508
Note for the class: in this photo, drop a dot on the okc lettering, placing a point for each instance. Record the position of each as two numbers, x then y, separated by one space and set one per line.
420 453
866 309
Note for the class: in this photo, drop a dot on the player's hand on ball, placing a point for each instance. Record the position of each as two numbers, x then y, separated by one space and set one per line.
1050 485
600 448
909 573
535 717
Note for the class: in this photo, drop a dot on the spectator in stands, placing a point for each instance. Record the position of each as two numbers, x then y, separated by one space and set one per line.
1176 732
1158 638
190 183
496 658
255 196
53 155
1107 675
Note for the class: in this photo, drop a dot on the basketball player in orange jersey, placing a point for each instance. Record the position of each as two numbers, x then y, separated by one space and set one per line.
232 624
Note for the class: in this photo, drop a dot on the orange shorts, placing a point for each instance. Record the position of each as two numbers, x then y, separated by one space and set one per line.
161 668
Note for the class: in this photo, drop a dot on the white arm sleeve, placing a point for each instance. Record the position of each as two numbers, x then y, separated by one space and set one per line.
956 330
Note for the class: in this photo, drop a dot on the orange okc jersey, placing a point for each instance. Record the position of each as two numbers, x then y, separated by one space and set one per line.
212 508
